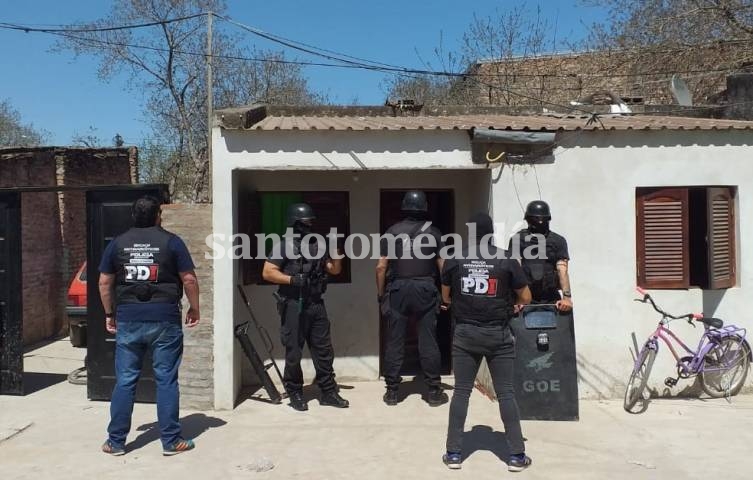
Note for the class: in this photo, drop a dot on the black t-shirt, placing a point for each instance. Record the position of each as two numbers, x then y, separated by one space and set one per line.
404 261
541 272
556 245
483 290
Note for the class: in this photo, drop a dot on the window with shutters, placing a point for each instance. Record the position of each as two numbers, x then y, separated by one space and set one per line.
685 237
265 212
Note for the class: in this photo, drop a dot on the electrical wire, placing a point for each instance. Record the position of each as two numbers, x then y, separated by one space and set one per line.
267 35
515 186
346 61
357 62
28 29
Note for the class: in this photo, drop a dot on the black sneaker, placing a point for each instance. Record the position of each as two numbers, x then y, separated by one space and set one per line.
298 402
436 397
390 397
518 463
333 399
452 460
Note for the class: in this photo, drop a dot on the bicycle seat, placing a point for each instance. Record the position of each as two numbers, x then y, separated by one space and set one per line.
712 322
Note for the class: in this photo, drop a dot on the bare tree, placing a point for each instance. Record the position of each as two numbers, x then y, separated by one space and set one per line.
431 89
651 23
13 132
90 139
487 68
702 40
167 66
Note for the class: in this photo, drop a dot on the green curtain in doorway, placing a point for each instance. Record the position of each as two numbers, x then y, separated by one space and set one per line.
274 206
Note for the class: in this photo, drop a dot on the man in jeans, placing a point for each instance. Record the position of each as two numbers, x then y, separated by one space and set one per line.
484 289
148 268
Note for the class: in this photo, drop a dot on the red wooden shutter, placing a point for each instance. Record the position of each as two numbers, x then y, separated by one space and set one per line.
662 238
721 237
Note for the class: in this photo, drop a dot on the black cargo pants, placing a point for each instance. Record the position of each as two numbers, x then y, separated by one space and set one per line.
412 297
310 327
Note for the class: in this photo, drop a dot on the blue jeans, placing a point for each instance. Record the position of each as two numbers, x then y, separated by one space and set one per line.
132 341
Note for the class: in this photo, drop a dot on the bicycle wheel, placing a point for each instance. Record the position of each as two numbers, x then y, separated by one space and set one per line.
725 368
639 378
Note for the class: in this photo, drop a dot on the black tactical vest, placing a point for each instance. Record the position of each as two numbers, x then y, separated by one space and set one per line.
147 270
481 293
314 269
541 272
406 265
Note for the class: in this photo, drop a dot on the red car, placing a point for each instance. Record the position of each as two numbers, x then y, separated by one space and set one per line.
76 308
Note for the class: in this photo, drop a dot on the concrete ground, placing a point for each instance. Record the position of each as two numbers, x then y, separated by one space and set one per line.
54 432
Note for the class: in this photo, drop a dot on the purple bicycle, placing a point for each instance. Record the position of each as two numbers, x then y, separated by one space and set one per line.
721 359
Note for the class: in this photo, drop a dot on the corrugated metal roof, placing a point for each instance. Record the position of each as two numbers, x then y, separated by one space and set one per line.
497 122
309 119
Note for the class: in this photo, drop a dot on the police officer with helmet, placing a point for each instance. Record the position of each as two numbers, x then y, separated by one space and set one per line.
547 270
301 271
406 285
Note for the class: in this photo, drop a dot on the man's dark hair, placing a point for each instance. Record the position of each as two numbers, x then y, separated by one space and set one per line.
484 224
145 211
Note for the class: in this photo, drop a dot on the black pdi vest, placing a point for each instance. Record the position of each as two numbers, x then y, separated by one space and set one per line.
541 272
406 265
313 268
147 270
482 293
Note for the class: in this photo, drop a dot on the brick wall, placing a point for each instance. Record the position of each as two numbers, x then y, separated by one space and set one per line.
193 223
637 74
53 225
43 315
86 167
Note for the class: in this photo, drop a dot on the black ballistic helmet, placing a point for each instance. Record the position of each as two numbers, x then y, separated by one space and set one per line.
299 211
538 209
414 201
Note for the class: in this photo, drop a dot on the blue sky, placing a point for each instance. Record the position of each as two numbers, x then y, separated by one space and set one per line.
63 95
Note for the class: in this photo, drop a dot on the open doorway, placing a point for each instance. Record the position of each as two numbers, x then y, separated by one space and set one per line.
442 215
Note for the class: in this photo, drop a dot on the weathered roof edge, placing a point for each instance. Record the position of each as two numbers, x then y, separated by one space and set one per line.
58 148
247 116
278 117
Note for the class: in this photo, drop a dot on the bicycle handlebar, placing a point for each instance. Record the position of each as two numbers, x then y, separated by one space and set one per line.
647 298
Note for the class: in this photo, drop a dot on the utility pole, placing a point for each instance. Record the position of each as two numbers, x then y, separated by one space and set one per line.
209 104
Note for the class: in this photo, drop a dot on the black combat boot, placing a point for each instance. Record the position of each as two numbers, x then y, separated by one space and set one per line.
436 397
298 402
333 399
390 397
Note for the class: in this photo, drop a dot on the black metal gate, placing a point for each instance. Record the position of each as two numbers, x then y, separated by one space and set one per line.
11 339
109 215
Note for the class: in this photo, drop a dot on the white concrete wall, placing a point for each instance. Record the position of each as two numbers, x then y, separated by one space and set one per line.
591 190
590 186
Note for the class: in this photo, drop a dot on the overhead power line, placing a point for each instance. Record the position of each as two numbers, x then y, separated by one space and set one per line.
348 61
345 60
279 38
28 28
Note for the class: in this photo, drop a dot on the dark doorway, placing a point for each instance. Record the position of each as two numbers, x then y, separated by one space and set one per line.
442 215
11 342
108 215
